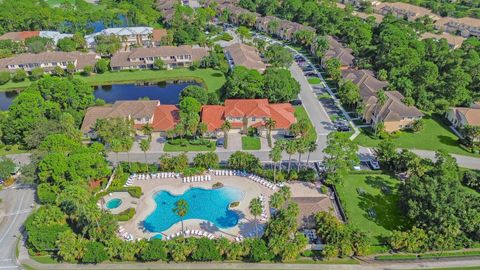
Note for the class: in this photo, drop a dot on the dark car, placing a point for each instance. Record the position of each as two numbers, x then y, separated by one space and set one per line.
343 128
288 136
311 74
220 142
296 102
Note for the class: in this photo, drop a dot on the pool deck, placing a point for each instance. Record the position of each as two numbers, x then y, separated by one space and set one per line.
146 205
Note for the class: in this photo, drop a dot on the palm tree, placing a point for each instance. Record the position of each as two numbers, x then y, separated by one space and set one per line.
255 208
301 149
270 125
145 146
275 155
312 147
147 130
290 148
226 126
181 209
276 200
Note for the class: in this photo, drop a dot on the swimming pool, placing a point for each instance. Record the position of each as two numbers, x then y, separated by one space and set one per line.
206 204
114 203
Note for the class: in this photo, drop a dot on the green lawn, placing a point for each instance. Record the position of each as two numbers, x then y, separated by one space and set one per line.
12 150
251 143
300 114
314 80
189 147
434 136
212 79
360 193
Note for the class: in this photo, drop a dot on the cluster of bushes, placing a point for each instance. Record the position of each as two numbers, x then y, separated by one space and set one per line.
305 174
126 214
471 178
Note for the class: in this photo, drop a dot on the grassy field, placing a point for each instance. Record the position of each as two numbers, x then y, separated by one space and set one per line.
360 193
314 80
13 150
251 143
434 136
300 114
189 147
212 79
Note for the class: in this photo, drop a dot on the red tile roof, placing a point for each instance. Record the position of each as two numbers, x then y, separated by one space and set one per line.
247 108
165 117
214 115
19 36
158 34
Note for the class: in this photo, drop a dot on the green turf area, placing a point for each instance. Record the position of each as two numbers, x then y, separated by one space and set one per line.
300 114
430 255
59 2
9 150
314 80
361 193
251 143
434 136
189 147
212 79
44 259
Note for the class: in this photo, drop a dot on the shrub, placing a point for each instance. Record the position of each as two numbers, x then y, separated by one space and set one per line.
87 70
36 74
258 250
324 190
126 214
243 161
155 250
308 175
206 250
100 102
471 179
206 160
418 125
19 76
173 164
4 77
293 175
101 66
46 193
135 192
191 171
95 253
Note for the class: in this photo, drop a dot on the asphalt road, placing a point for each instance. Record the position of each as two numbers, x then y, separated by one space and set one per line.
15 208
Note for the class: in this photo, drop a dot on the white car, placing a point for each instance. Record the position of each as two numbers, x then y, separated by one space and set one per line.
374 164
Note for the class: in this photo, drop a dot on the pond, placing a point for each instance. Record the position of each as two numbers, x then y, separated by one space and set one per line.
167 92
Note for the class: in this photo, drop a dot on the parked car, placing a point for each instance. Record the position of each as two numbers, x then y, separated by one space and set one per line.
288 136
220 142
374 164
311 74
343 128
296 102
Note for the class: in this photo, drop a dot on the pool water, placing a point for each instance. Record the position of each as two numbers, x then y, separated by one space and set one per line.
114 203
206 204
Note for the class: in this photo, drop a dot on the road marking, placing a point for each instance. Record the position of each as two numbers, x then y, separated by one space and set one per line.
14 219
17 213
